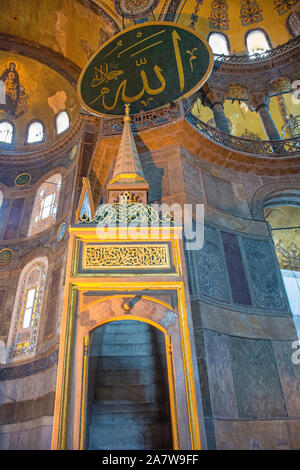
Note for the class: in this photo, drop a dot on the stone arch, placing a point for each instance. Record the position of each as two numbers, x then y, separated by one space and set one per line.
22 340
284 190
128 367
143 308
45 204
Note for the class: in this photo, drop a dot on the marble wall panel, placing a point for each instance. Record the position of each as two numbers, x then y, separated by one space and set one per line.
258 435
248 324
207 270
266 283
257 385
287 359
225 195
192 180
222 390
235 266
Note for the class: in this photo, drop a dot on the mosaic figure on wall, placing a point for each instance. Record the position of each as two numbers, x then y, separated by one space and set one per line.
14 103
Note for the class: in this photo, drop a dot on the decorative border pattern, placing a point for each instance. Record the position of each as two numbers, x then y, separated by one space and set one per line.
31 368
172 10
98 10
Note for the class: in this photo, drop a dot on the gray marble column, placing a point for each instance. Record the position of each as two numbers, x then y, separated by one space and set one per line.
267 122
220 118
214 99
259 102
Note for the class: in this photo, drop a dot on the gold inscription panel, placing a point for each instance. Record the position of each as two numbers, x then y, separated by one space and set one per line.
130 256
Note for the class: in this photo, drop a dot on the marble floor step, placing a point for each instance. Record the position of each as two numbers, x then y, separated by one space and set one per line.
130 393
146 417
125 338
144 349
128 326
132 376
126 362
109 407
128 436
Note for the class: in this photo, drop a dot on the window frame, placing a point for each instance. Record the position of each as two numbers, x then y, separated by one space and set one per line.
38 207
55 122
27 132
2 142
22 338
251 31
224 37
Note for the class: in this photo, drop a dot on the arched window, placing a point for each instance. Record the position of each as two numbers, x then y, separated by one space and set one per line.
293 24
45 205
35 132
27 309
282 211
62 122
219 43
257 42
6 132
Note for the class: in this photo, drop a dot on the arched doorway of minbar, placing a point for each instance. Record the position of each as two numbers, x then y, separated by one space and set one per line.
127 390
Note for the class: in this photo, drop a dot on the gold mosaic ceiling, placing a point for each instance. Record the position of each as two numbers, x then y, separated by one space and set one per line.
76 28
68 32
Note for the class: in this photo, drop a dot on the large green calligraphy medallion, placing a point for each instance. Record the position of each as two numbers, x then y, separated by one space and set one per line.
148 66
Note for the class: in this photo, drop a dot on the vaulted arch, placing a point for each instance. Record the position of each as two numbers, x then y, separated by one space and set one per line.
22 339
45 205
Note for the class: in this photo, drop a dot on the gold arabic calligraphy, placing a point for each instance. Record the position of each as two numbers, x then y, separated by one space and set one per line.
130 99
108 72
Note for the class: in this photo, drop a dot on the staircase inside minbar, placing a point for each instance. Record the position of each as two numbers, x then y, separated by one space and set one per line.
128 396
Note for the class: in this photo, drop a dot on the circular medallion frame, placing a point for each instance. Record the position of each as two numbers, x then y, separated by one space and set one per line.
6 255
61 232
22 179
128 69
140 8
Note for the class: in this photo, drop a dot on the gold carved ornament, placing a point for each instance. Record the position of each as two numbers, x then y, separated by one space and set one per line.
126 256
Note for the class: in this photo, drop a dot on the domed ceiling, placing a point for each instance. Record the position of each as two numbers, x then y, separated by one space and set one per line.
50 42
76 28
43 93
231 17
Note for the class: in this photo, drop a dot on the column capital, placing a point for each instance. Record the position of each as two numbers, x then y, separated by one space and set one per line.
215 96
211 96
258 99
